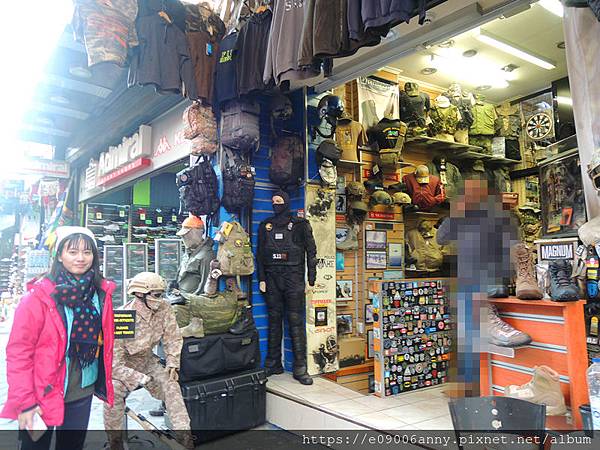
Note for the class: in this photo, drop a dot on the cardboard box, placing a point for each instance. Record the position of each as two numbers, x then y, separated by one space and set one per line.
352 351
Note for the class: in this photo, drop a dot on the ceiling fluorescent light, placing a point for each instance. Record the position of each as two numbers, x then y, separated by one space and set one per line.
512 49
554 6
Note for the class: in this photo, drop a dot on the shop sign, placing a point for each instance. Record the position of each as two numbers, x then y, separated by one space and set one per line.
121 172
124 322
368 173
550 252
91 175
46 168
381 215
125 154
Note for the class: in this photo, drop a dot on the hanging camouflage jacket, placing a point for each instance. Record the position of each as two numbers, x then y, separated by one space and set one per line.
444 120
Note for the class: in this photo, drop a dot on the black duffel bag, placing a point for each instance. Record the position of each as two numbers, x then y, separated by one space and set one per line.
218 354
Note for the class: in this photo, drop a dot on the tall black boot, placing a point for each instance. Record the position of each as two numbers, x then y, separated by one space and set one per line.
298 335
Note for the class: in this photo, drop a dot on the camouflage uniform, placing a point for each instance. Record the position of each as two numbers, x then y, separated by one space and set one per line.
133 358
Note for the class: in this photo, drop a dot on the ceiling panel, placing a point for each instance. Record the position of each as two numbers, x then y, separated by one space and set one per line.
535 30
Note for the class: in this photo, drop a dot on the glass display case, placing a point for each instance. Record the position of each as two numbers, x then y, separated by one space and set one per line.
113 271
135 259
167 258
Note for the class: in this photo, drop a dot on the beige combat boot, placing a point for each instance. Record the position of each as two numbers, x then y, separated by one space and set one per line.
544 388
194 329
527 287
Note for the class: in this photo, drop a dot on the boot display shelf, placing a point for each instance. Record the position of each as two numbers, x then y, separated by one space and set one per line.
558 337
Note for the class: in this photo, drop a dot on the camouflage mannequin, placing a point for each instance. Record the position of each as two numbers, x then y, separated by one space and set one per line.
134 364
530 222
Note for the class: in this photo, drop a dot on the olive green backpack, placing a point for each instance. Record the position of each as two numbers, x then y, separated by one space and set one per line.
235 251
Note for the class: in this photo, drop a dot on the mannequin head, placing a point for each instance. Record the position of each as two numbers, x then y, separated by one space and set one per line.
442 102
281 202
192 232
422 174
411 89
455 90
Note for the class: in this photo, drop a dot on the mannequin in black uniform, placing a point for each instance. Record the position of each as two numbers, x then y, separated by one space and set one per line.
284 244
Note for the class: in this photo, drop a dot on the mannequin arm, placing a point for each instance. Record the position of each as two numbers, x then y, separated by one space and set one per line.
172 340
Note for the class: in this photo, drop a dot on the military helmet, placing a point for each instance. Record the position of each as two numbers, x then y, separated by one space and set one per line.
355 188
330 106
359 206
381 198
328 149
145 282
401 198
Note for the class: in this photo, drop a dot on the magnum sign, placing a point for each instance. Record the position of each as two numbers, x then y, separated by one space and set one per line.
129 150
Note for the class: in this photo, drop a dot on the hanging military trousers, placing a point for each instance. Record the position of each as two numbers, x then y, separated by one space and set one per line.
286 292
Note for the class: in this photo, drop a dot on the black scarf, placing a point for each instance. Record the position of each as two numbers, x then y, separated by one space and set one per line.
78 295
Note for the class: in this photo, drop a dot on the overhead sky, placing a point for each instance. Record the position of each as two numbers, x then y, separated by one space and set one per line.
30 31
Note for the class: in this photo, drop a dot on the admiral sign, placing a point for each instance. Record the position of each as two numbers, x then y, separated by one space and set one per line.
127 157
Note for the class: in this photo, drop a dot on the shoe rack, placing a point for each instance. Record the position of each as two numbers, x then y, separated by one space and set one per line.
559 341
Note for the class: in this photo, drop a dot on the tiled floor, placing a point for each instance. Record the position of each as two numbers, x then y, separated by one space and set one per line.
425 409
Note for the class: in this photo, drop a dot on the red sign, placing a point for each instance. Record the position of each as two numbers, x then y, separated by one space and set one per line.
130 168
381 215
368 173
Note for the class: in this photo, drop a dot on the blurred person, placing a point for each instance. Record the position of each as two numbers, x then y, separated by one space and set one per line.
484 234
60 350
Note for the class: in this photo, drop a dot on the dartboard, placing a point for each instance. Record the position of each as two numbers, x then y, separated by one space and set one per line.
539 126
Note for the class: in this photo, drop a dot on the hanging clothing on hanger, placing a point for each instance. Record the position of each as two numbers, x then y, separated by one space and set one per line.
252 53
284 44
163 57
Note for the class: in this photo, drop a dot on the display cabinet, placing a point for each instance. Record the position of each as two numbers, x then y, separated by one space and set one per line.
412 337
113 270
167 258
135 260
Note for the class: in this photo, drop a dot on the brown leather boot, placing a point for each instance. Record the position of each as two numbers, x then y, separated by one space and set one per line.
527 287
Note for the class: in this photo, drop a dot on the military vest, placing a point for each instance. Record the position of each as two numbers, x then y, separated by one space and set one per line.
445 120
484 119
280 248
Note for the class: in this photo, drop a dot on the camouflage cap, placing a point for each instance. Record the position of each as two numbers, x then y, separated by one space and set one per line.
355 188
401 198
381 198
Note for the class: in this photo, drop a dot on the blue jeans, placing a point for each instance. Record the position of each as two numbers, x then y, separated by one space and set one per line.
70 435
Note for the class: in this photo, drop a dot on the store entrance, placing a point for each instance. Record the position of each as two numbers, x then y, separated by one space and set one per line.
482 105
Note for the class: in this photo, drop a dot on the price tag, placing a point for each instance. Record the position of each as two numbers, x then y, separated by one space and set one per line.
98 215
173 218
159 219
148 222
143 216
121 213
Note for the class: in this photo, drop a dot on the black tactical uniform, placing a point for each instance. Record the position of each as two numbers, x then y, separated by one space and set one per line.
284 244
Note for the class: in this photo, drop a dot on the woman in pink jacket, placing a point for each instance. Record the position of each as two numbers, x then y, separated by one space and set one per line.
61 345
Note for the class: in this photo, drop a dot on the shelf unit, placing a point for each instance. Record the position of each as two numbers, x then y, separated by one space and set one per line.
558 333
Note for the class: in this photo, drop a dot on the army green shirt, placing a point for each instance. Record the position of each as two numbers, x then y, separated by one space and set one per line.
195 267
484 119
453 178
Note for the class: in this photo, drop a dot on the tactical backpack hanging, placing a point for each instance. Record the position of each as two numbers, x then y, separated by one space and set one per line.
287 161
238 183
199 189
240 125
235 251
200 126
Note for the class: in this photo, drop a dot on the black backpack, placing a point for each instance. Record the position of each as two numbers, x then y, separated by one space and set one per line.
199 189
238 182
287 162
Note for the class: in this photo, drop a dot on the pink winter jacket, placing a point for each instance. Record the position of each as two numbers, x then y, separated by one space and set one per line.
35 354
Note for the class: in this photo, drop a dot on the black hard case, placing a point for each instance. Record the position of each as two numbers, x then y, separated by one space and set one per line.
225 405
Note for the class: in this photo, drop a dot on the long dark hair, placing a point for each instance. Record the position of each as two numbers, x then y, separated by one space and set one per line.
73 241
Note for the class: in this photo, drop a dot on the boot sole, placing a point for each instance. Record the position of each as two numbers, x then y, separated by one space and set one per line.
529 295
504 344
